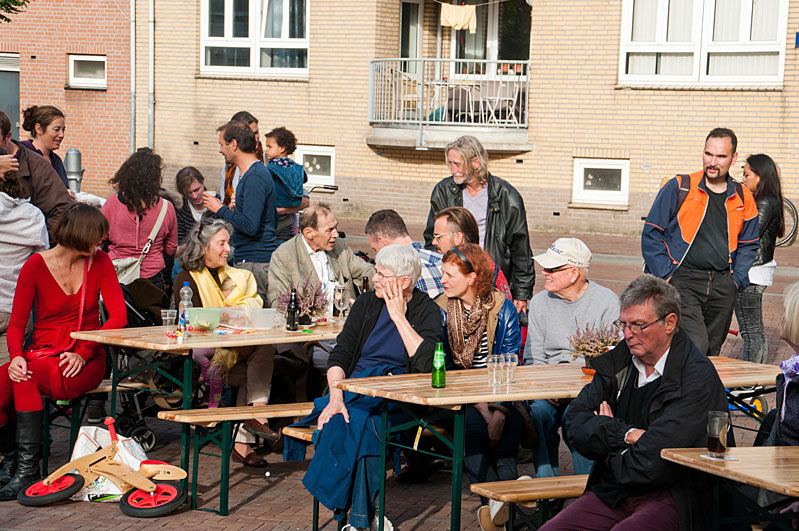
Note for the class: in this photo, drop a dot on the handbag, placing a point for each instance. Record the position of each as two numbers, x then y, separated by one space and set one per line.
35 354
129 269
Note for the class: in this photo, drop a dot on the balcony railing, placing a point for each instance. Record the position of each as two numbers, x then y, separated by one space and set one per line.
449 92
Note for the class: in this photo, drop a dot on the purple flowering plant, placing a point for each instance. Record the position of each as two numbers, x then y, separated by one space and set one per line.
590 341
311 298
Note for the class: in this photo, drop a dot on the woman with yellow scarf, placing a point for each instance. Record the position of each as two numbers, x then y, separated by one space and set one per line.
203 257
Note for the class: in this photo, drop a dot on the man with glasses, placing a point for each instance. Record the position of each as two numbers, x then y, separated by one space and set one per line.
386 227
653 391
568 303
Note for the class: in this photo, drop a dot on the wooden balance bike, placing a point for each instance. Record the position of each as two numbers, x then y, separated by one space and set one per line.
153 490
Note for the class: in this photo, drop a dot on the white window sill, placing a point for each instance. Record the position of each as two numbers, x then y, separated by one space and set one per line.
598 206
85 87
302 78
698 86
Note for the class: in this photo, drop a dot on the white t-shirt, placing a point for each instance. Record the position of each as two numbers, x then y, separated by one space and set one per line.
478 206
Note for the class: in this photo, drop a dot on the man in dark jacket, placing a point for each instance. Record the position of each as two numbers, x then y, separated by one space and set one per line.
498 209
47 190
653 391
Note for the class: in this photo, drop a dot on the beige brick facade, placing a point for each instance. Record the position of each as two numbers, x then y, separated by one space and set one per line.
575 110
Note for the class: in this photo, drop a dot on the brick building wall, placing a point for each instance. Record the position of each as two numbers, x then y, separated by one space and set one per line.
575 110
96 120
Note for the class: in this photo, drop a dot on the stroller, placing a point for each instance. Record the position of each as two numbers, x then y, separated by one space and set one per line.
144 302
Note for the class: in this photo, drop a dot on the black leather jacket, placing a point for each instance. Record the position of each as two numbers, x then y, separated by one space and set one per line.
506 239
768 218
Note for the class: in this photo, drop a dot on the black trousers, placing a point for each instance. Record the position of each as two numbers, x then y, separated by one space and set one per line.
707 299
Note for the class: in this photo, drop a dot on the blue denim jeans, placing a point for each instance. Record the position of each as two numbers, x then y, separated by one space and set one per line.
547 419
749 312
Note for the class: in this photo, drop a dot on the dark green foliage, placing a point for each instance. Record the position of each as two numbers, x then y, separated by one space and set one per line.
11 7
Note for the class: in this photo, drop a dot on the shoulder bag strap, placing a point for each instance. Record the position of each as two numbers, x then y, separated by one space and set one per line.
156 228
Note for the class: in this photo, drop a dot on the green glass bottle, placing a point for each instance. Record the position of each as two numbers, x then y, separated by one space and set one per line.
439 371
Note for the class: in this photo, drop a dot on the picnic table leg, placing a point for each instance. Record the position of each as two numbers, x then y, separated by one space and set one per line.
227 447
195 468
185 435
315 523
383 445
112 412
457 467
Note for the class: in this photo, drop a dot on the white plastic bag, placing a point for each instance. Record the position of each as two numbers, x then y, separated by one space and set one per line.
91 439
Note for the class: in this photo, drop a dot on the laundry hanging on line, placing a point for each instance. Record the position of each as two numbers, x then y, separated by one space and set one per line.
459 17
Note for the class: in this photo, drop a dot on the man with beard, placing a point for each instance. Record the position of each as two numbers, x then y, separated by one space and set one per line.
701 235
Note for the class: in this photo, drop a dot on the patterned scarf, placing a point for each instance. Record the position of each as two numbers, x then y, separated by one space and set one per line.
465 333
230 172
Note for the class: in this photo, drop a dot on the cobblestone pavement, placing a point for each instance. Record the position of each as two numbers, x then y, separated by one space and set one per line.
280 502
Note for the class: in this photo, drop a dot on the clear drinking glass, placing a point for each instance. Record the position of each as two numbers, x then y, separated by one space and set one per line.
340 300
494 364
510 361
718 424
168 319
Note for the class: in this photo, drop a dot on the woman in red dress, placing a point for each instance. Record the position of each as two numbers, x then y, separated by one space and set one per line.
55 366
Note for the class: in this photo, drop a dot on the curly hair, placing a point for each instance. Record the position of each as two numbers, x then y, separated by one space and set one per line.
480 264
138 180
283 138
43 116
11 184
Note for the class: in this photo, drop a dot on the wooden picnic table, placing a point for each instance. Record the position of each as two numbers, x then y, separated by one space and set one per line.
774 468
532 382
154 338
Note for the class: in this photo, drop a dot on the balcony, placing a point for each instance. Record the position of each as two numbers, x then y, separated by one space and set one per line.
427 103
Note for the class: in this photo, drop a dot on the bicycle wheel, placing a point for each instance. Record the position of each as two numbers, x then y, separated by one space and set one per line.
168 496
791 218
39 494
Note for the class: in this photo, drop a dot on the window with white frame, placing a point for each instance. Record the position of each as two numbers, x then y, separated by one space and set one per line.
601 181
319 163
703 42
87 71
502 33
254 37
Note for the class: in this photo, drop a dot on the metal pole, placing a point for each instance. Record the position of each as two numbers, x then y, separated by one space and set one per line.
150 76
132 76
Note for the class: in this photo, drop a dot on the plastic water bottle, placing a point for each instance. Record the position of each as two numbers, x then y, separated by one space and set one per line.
183 311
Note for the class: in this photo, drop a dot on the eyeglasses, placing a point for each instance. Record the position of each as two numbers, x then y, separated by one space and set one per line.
634 328
378 275
550 271
203 222
439 236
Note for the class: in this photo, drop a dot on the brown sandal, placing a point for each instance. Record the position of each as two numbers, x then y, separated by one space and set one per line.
253 460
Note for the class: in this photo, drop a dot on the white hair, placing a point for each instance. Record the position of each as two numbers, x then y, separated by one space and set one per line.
401 260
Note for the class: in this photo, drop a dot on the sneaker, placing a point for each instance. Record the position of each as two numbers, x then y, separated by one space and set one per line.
387 525
349 527
95 412
484 519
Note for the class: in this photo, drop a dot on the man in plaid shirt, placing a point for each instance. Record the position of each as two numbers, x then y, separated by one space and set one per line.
386 227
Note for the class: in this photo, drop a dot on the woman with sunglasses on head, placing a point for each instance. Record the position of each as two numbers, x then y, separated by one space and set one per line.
761 176
134 211
479 322
203 257
64 283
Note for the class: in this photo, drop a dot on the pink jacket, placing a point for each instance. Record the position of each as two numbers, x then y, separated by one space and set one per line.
128 235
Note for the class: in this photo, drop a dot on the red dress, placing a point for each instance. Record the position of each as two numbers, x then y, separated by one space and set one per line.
56 319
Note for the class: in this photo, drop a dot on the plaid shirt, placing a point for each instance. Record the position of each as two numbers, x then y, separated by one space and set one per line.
430 279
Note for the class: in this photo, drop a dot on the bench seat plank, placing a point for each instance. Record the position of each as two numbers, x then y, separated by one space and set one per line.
303 434
527 490
212 416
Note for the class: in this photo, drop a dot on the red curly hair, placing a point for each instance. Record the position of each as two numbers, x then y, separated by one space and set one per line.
480 264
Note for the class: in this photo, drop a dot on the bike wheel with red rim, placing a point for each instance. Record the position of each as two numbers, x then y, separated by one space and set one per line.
166 498
39 494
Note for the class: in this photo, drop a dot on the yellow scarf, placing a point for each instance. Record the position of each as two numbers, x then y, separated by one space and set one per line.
245 294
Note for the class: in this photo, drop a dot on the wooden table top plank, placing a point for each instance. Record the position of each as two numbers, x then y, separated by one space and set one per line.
532 382
774 468
153 337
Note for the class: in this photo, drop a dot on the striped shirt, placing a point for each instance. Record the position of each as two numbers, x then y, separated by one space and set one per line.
479 360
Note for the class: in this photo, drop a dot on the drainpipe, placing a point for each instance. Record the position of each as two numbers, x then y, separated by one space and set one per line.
150 76
132 76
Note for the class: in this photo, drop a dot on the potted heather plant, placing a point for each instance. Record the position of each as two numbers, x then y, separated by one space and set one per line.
311 298
591 341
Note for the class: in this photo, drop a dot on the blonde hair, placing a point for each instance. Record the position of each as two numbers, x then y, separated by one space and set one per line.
790 316
469 147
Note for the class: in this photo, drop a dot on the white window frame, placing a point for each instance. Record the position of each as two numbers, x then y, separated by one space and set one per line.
254 42
83 82
601 197
304 150
701 45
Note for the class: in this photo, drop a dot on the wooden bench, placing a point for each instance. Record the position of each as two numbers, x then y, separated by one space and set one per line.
219 425
530 493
